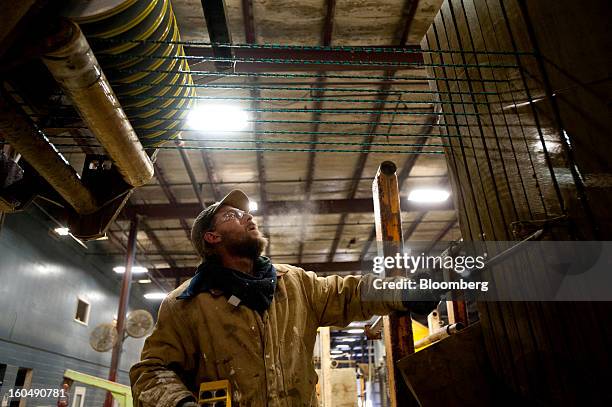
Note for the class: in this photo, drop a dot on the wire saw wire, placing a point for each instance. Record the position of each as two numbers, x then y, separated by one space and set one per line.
366 49
301 61
287 99
325 111
293 88
276 132
266 141
296 75
265 149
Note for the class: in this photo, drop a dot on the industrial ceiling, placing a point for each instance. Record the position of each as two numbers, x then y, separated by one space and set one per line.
323 115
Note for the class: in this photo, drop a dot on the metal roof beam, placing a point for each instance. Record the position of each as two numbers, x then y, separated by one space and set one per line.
325 206
218 31
163 183
251 38
404 29
328 29
349 60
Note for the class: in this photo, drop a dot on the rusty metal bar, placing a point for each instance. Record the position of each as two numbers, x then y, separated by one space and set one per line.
74 66
439 334
399 341
246 59
401 177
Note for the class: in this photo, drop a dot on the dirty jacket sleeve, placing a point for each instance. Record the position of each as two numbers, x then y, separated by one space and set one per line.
154 380
337 300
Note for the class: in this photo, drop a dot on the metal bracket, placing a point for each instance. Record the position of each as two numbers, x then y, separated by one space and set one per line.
523 228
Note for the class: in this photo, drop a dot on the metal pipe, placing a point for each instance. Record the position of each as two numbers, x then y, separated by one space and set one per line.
439 334
20 133
74 66
124 299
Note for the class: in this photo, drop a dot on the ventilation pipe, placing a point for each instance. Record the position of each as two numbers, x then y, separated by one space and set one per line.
74 66
21 134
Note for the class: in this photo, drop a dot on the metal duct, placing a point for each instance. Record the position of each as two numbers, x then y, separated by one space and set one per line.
74 66
21 134
136 44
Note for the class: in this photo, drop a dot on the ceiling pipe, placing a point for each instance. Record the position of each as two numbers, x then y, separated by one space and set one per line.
74 66
36 149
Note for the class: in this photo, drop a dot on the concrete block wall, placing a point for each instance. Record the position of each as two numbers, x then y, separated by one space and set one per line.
41 278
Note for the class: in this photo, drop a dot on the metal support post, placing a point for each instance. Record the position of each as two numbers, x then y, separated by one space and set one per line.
124 297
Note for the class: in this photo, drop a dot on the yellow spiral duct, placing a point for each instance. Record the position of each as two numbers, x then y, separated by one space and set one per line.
149 75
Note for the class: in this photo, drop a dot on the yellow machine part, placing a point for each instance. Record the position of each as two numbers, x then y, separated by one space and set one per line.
215 394
419 331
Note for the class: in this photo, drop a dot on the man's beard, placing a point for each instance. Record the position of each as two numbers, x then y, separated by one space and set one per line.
245 246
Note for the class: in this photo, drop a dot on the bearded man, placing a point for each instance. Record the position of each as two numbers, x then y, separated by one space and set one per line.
243 319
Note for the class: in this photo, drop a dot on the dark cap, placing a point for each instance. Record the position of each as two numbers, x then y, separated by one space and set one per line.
202 223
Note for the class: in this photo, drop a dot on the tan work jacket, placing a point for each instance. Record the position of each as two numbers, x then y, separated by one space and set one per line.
267 358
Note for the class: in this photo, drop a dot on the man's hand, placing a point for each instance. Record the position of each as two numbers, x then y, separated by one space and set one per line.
422 302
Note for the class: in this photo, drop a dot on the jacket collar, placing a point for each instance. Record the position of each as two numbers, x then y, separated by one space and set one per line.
189 292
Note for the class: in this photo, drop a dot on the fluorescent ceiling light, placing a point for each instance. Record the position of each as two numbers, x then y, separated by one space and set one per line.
155 296
253 206
62 231
144 281
348 339
354 331
428 195
217 117
335 351
135 269
343 347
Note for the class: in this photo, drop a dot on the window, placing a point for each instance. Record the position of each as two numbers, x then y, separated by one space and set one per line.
82 312
2 372
79 397
23 380
24 377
